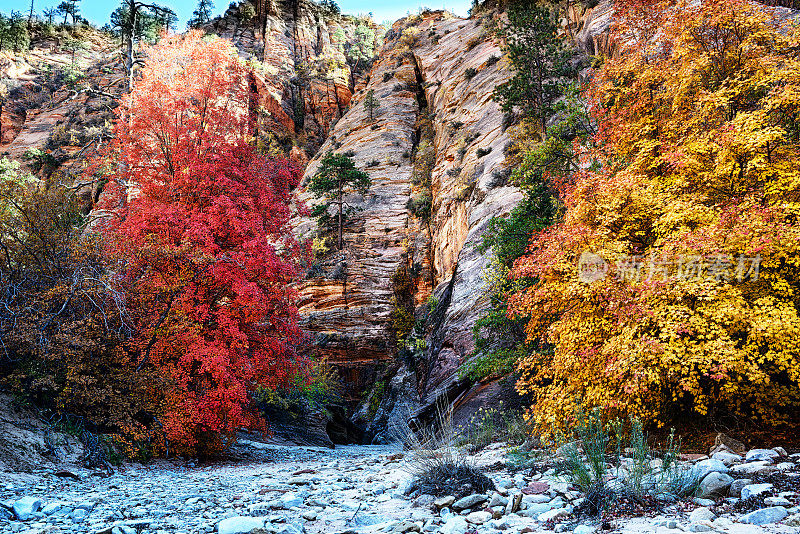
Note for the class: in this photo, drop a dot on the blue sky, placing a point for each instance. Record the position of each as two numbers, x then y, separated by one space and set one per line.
98 11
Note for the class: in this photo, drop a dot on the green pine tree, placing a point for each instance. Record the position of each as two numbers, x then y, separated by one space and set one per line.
201 15
337 178
540 59
371 103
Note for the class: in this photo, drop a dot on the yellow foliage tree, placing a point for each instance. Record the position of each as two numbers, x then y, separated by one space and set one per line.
687 213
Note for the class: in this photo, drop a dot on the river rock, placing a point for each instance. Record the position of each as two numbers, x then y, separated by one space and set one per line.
778 501
753 468
727 458
701 514
736 486
715 485
498 500
765 516
554 514
455 525
761 455
470 501
755 489
239 525
444 502
734 445
25 507
704 467
478 518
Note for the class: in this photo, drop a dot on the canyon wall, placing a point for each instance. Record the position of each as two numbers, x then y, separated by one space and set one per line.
63 104
434 79
299 51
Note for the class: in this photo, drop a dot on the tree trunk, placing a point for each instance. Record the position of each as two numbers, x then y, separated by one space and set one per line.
341 206
129 61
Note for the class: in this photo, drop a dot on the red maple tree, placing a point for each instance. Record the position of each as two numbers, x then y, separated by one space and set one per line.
199 222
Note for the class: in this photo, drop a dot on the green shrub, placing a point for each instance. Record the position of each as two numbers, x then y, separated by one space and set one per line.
421 205
606 460
493 364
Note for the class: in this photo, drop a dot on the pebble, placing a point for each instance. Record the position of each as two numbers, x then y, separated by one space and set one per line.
554 514
444 502
470 501
350 489
455 525
478 518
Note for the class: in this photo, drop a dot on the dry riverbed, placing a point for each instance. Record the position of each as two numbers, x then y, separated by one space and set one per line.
363 489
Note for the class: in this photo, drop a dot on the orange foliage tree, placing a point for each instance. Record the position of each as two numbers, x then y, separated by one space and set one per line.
199 224
691 179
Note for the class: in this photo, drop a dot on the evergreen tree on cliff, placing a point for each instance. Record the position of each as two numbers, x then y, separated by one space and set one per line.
336 178
201 15
541 60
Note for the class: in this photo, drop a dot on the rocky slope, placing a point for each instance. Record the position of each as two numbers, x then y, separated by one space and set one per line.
59 104
62 103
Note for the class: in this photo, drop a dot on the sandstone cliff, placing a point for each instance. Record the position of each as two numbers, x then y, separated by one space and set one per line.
434 79
61 103
310 60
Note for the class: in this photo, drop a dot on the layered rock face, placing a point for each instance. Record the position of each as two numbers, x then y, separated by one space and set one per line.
304 58
304 74
434 79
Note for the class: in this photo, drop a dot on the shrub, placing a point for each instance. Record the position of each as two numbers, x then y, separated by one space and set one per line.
607 461
482 152
437 466
493 424
472 43
421 205
470 73
63 313
494 364
432 303
375 398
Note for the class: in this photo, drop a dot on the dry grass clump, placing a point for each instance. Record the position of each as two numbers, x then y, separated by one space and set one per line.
437 465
